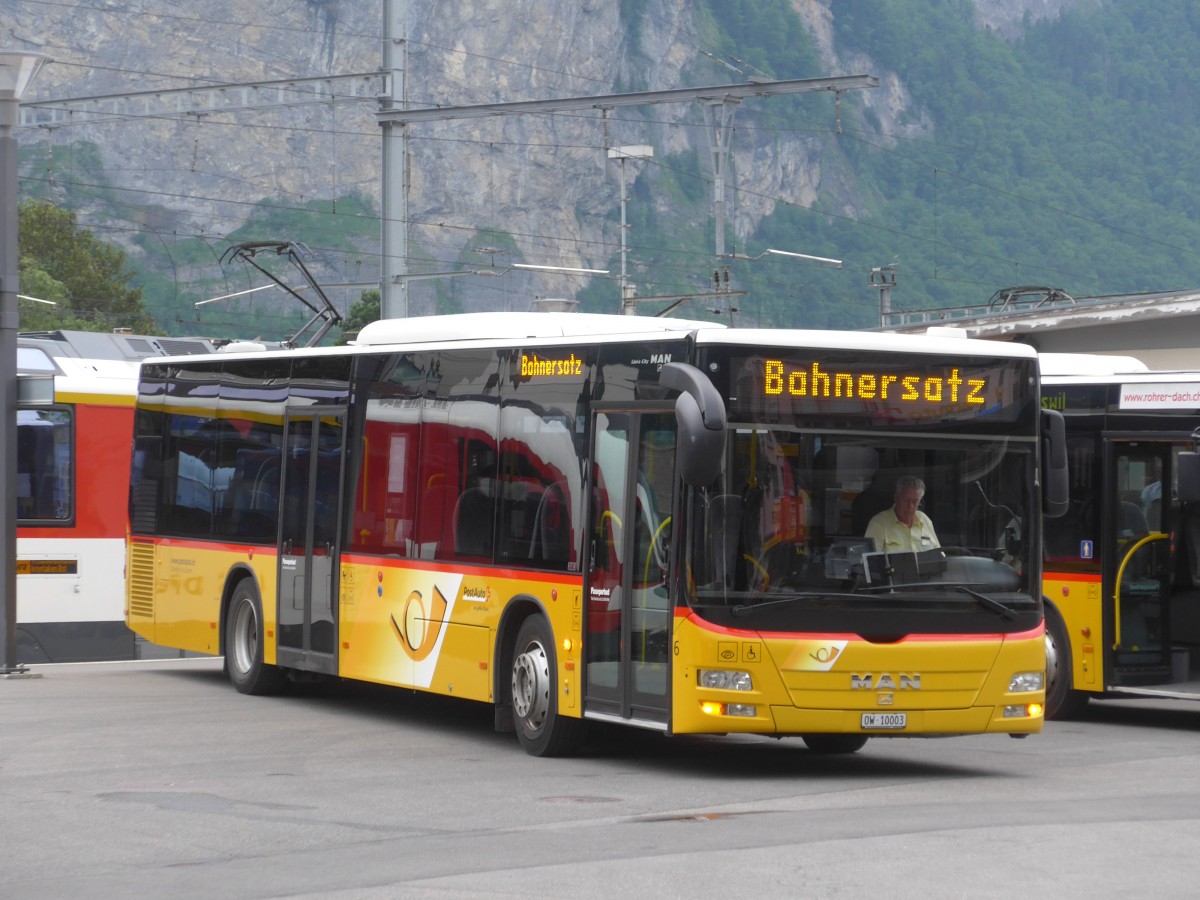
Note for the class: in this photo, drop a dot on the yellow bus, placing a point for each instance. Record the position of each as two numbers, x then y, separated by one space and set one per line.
585 518
1122 567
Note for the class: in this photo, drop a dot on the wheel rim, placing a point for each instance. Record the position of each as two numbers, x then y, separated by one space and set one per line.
1051 661
531 686
244 637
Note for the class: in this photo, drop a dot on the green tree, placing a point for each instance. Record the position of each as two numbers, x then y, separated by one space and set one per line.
85 277
362 311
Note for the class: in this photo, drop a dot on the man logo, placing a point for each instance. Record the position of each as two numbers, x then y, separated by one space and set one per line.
418 627
885 682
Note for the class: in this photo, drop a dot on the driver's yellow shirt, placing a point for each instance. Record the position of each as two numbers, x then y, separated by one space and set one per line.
893 536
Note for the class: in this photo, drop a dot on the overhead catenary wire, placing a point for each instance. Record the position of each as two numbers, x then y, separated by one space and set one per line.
548 239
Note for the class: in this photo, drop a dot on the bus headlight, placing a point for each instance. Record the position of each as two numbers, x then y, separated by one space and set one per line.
1032 711
725 679
710 708
1027 681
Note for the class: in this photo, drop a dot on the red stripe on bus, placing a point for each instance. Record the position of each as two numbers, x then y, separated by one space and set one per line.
197 544
1070 576
392 562
680 613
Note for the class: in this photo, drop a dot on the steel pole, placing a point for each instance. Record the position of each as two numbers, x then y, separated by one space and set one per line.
9 323
17 69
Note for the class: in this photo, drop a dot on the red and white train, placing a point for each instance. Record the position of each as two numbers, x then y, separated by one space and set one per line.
73 447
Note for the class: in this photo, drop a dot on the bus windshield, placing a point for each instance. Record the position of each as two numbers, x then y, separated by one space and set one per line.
785 532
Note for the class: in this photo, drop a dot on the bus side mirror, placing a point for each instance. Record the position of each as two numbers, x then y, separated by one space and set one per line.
1187 476
1056 483
700 419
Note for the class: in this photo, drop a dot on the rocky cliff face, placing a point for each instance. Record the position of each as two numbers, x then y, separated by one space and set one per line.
543 181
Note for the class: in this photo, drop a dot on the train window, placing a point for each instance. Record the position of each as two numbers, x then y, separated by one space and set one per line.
45 465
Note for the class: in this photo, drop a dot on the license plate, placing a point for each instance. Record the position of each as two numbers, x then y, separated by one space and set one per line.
884 721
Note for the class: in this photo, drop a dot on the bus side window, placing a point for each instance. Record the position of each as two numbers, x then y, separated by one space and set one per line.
1188 573
520 494
295 500
606 537
551 539
325 511
254 491
474 524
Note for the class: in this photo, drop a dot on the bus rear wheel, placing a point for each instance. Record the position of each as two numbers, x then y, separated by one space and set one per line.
828 744
541 730
244 645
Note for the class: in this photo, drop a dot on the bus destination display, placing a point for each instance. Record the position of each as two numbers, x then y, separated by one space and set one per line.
874 389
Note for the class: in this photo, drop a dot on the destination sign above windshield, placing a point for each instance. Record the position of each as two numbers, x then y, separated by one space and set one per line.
902 386
783 386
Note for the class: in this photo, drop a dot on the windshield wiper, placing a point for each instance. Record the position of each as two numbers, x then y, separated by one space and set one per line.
744 609
982 599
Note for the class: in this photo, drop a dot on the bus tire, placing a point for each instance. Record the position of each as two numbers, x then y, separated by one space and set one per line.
244 645
1062 701
541 730
829 744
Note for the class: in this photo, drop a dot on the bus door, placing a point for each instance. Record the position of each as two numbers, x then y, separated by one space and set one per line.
312 477
629 614
1138 561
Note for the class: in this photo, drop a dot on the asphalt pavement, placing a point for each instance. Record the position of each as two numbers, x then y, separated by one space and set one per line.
157 779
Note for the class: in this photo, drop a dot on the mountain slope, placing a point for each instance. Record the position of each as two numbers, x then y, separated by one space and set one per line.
1040 142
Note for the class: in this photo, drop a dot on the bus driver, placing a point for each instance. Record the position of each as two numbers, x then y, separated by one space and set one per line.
903 526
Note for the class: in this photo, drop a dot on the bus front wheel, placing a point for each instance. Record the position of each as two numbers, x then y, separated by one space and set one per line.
244 645
1062 702
541 730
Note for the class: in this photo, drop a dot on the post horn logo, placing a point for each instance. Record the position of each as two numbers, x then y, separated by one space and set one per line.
825 654
419 626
